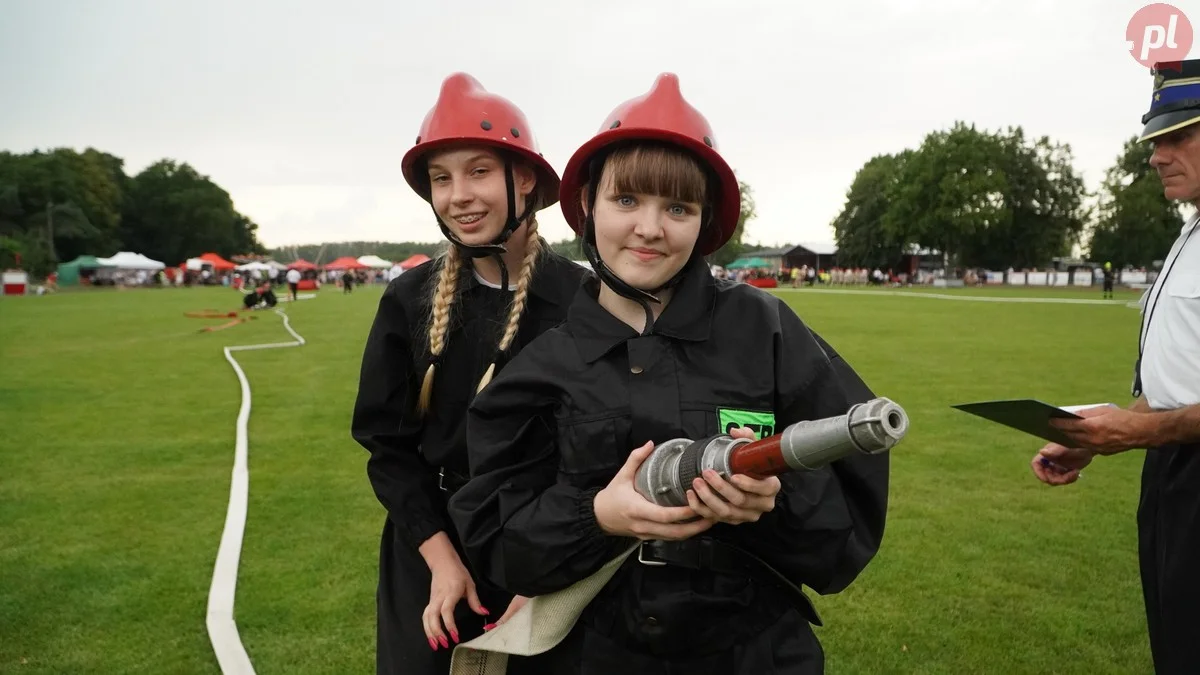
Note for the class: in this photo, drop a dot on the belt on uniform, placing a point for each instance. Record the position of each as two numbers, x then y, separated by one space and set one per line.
449 481
713 555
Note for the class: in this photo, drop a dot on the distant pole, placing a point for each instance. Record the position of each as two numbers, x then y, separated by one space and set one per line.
50 230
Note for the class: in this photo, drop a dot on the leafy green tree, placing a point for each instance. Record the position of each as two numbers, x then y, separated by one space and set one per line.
858 228
987 199
56 205
174 212
1137 223
734 247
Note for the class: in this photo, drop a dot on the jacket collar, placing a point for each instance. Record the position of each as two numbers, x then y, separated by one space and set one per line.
688 315
554 280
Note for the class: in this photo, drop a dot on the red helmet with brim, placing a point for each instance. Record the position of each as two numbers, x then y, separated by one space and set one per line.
662 114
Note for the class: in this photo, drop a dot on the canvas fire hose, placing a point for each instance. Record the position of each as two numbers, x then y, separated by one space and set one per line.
869 428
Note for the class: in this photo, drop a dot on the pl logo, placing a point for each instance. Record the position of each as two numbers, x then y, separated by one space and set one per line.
1158 33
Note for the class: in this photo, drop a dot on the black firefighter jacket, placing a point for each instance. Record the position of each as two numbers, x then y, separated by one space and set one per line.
548 434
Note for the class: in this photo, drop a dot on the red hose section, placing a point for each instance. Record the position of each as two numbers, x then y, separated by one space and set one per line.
759 459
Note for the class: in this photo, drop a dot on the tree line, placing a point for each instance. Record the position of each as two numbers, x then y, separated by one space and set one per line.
56 205
569 248
996 199
983 198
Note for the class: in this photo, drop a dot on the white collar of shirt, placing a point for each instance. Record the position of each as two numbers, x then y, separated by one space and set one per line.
1171 321
485 282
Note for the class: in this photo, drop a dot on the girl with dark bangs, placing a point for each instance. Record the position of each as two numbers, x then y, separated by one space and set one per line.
653 349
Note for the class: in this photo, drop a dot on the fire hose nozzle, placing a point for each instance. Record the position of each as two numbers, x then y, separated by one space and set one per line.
868 428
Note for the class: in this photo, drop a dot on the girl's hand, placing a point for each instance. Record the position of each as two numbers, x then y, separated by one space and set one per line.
741 499
622 512
517 603
451 583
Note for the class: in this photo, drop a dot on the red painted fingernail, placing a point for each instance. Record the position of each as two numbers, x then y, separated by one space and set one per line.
454 634
432 644
445 643
489 626
485 609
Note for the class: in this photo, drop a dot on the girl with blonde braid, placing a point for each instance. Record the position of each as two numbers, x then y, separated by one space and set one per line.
441 332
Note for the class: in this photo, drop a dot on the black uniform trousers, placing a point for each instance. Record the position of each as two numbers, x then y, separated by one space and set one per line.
1169 556
403 593
401 647
786 646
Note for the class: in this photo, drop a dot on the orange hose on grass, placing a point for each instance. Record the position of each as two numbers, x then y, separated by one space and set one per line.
229 324
210 314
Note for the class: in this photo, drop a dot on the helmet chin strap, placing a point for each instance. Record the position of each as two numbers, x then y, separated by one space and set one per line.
610 278
496 249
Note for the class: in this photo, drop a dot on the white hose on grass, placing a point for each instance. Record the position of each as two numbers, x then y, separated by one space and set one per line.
222 629
950 296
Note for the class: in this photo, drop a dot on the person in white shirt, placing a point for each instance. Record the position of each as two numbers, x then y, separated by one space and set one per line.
293 282
396 271
1165 415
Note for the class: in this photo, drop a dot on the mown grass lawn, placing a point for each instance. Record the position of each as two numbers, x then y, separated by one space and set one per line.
116 444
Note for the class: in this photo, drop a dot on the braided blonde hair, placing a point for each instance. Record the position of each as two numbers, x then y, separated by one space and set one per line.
444 295
443 298
533 248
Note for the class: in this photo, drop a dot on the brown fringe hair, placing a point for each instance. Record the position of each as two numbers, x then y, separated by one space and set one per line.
657 169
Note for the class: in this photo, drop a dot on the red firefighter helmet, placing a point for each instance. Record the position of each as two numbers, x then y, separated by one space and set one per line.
466 113
662 114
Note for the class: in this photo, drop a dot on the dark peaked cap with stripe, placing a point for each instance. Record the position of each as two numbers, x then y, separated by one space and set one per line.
1175 102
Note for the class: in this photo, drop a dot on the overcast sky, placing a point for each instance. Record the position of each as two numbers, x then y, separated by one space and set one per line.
302 110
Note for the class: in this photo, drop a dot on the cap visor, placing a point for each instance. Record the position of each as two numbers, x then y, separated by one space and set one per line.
1165 124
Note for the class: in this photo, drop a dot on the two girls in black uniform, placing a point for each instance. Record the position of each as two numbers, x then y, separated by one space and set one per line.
442 331
653 348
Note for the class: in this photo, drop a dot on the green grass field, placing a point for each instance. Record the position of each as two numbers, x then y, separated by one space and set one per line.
116 445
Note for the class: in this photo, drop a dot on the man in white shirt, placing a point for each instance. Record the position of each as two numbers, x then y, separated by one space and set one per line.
396 271
1165 415
293 281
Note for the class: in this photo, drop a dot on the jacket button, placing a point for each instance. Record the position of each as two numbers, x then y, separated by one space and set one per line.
651 621
636 370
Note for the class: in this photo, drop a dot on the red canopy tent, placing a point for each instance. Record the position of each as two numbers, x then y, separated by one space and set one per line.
217 261
301 265
413 261
346 263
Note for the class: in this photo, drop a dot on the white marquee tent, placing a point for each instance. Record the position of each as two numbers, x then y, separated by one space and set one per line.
127 260
374 262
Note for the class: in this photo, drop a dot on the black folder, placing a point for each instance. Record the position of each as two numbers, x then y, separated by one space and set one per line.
1026 414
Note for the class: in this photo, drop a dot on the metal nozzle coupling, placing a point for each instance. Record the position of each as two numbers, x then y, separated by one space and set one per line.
872 427
868 428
